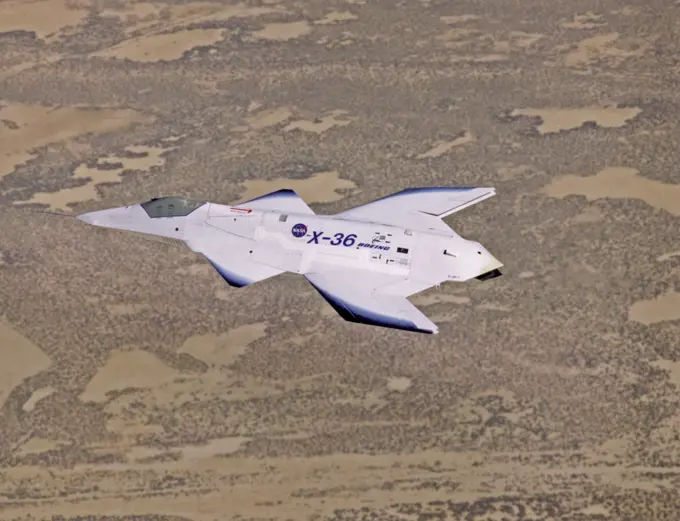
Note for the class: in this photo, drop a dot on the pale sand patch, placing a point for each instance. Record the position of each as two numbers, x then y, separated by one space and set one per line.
134 368
19 359
618 183
211 449
322 124
452 20
557 119
442 147
615 447
38 394
596 510
320 188
667 256
673 369
344 39
368 401
398 383
34 126
522 40
140 452
162 47
214 448
44 17
145 17
61 199
38 445
269 117
126 309
587 20
483 58
627 11
170 139
660 309
601 47
459 37
129 422
335 17
466 38
225 348
494 307
283 31
516 41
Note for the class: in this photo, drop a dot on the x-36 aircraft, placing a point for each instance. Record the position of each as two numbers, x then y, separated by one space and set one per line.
364 261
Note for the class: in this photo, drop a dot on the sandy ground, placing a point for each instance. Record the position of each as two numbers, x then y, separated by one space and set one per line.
135 384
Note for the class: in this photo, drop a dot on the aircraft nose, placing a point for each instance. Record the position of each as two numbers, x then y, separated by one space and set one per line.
87 217
111 218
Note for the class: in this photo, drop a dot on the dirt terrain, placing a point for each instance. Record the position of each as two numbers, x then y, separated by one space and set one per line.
135 384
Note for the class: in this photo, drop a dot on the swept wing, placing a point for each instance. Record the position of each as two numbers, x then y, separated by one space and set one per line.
419 208
372 298
230 256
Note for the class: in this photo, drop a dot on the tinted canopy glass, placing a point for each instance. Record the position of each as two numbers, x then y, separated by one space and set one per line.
172 206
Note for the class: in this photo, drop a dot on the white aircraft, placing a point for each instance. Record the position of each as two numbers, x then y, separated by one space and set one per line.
364 261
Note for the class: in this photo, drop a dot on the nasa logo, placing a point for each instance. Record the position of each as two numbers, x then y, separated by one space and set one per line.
299 230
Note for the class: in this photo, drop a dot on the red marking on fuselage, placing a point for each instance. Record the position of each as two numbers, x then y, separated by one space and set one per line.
244 210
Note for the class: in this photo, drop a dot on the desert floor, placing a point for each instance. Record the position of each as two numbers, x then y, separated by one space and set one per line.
135 382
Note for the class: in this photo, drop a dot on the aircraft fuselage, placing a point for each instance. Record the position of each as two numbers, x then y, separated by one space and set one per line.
298 243
365 261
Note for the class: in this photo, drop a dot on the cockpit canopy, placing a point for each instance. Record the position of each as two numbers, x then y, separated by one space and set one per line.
171 206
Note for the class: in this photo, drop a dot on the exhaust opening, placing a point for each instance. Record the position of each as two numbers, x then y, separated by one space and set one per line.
489 275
